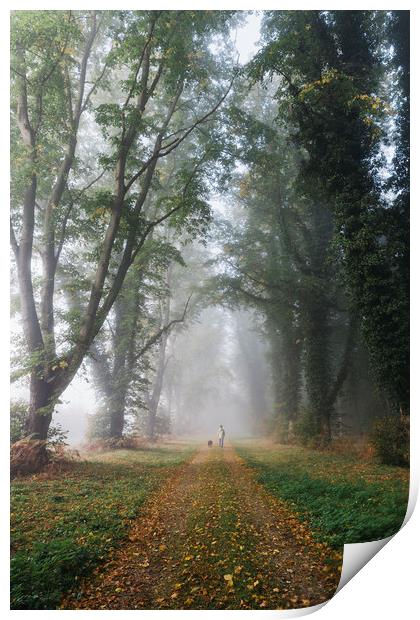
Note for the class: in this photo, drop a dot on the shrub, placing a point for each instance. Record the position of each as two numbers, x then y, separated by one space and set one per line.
128 442
390 438
18 410
356 446
27 456
57 436
162 425
30 456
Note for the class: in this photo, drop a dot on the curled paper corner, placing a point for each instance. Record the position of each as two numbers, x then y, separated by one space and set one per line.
357 555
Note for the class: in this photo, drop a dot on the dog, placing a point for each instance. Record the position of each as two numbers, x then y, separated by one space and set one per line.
210 443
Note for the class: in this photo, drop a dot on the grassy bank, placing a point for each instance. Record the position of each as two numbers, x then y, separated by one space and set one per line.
345 499
63 525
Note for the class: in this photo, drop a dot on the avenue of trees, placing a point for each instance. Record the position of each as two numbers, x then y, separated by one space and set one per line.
124 125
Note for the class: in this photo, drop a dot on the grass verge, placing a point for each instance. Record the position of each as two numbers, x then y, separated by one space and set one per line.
344 499
62 526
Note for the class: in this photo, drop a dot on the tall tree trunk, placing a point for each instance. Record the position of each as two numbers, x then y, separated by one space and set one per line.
116 410
317 368
126 309
41 406
285 362
153 399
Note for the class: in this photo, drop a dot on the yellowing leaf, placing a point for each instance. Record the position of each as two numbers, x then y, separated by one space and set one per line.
229 580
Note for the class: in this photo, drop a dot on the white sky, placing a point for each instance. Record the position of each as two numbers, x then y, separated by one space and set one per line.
246 37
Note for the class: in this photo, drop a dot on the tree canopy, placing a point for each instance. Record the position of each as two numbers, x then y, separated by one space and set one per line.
158 185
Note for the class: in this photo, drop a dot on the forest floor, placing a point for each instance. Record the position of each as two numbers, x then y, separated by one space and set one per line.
213 538
181 526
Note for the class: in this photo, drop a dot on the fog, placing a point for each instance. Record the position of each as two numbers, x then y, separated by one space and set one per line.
207 381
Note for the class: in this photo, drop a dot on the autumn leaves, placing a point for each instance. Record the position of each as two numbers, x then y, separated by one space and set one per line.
213 538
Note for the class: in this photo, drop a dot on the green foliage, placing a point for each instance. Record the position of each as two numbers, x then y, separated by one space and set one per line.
332 67
18 411
340 513
344 501
306 429
285 265
51 568
18 414
390 436
81 519
57 436
99 421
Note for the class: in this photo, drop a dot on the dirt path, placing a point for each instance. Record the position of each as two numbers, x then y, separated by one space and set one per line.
213 538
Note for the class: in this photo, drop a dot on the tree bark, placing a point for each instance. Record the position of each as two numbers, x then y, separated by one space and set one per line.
41 408
154 398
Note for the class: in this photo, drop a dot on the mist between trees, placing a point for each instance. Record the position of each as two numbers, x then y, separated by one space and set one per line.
204 241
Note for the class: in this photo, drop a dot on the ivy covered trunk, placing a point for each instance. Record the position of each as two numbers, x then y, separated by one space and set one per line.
318 371
286 375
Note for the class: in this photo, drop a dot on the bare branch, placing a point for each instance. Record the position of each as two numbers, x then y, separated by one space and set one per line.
169 213
81 191
254 297
158 144
263 283
162 331
201 120
23 121
67 214
94 87
21 75
63 232
51 254
108 322
83 69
